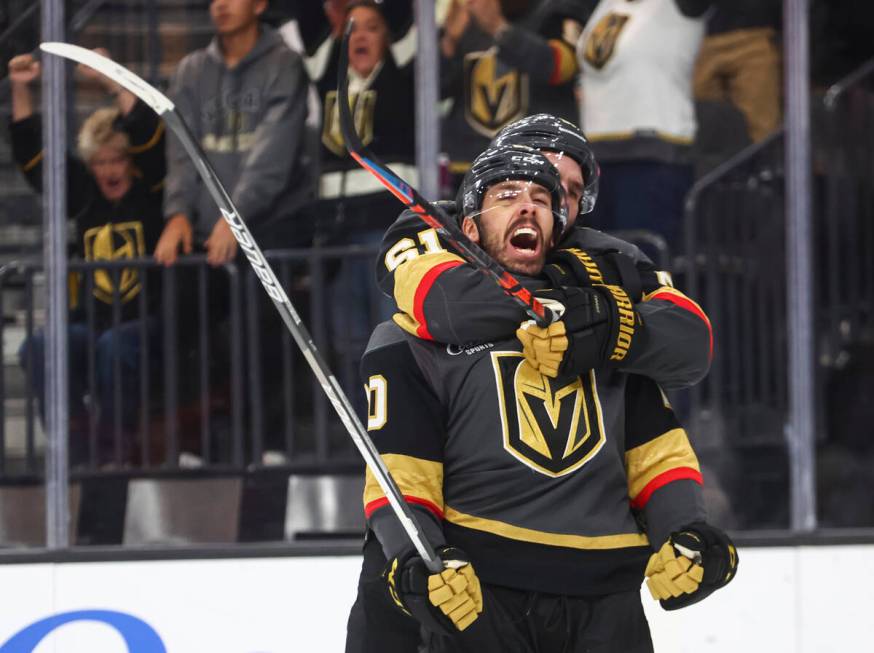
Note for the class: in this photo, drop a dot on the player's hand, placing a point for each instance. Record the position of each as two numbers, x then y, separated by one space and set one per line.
23 69
177 232
221 246
691 565
444 603
597 329
488 15
574 266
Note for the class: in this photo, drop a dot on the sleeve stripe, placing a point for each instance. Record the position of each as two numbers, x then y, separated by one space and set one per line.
422 292
376 504
564 62
139 149
676 474
30 165
682 301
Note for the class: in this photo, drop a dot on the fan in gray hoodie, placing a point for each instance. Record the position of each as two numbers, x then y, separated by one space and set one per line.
249 118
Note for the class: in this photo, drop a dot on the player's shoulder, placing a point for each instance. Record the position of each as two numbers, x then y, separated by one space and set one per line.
409 217
386 335
593 240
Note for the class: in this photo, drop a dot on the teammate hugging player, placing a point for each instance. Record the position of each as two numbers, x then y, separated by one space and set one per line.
545 487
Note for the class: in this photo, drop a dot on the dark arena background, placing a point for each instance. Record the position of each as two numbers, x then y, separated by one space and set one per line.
173 476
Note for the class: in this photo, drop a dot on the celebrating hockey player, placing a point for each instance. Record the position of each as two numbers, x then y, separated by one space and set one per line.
533 489
440 297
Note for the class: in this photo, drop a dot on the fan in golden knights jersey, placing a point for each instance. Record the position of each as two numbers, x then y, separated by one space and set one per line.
549 499
440 297
114 191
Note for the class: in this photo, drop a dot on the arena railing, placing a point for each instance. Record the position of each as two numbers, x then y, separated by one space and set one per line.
845 235
220 383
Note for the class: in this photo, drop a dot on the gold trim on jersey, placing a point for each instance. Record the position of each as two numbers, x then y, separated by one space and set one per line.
512 532
112 242
669 451
552 428
363 112
494 94
30 165
149 144
414 476
601 43
565 60
409 274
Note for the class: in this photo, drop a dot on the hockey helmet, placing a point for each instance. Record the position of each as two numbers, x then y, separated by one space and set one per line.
506 162
543 131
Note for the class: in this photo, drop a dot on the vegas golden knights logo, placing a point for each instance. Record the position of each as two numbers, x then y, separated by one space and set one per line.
554 427
602 41
362 116
113 242
494 93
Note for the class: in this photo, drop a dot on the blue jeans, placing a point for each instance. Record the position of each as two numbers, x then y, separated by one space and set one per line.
124 342
643 195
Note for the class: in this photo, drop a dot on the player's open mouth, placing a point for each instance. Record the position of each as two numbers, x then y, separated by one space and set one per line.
525 240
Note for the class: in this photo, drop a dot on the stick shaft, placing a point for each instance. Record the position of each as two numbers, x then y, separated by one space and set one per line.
274 289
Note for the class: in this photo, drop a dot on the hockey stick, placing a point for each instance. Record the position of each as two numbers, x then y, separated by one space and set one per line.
431 214
162 105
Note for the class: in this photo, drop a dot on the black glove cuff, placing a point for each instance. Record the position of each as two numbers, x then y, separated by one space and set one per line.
624 326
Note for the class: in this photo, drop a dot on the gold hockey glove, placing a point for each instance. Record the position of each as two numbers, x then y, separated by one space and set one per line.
598 327
444 603
691 565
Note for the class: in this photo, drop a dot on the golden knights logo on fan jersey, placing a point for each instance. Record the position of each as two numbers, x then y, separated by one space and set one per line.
362 115
602 40
113 242
552 426
494 93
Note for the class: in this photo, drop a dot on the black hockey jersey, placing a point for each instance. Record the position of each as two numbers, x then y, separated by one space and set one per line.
543 482
440 297
126 229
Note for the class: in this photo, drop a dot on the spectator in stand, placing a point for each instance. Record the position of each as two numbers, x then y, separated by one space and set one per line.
353 208
502 60
740 63
637 110
245 99
114 194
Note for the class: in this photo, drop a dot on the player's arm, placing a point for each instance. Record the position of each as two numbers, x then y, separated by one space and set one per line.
439 296
692 558
406 422
667 336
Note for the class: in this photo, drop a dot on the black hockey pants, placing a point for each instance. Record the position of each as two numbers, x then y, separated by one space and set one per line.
513 621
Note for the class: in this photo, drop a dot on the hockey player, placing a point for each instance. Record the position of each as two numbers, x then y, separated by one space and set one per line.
442 298
544 497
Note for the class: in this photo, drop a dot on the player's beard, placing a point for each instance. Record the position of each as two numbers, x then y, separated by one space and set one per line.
495 243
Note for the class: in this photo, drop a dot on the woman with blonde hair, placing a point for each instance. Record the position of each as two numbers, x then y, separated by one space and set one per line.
114 193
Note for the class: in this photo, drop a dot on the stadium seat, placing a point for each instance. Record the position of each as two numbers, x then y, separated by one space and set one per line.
182 511
23 515
324 505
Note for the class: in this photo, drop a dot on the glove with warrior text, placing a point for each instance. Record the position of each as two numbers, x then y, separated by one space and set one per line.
597 327
577 267
443 603
691 565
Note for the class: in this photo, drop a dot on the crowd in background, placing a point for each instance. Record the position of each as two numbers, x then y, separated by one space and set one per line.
663 89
